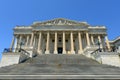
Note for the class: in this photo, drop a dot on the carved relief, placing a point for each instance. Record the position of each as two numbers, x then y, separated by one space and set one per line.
59 21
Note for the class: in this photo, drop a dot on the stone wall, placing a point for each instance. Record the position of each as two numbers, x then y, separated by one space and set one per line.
12 58
109 58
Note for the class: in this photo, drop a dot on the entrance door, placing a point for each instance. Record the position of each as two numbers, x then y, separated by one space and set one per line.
60 50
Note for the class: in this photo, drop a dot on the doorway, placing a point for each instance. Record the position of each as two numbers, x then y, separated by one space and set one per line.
60 50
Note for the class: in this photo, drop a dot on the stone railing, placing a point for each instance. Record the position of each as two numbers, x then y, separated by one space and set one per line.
90 49
31 50
16 50
106 57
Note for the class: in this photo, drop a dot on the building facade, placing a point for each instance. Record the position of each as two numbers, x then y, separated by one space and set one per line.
115 45
59 36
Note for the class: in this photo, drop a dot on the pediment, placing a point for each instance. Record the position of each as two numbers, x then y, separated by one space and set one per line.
59 21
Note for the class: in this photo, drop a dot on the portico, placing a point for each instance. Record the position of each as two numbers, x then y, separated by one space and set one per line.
59 36
51 39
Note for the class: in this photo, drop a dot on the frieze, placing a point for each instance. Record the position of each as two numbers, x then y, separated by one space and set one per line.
22 31
60 28
59 21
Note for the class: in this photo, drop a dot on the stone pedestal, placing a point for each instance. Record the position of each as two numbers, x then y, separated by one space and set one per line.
55 52
47 52
80 52
12 58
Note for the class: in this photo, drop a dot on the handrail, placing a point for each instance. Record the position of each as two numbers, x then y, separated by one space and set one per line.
25 51
6 50
95 51
101 50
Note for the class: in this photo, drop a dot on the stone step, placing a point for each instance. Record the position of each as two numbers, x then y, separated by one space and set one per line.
35 68
62 59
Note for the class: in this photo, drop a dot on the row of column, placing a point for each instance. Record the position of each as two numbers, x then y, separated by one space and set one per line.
80 50
64 43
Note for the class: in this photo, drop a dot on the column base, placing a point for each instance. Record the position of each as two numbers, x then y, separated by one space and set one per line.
40 52
72 52
63 52
47 52
80 52
55 52
109 49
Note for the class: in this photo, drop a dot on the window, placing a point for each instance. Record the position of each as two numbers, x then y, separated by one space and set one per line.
59 40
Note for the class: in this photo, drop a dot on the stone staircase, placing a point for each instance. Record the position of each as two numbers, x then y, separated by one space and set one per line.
60 66
61 59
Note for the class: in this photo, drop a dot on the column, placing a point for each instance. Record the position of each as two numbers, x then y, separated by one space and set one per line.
19 43
55 44
87 37
72 43
27 40
39 44
64 44
80 43
47 44
12 44
92 40
16 44
20 40
34 41
99 38
31 42
107 42
84 41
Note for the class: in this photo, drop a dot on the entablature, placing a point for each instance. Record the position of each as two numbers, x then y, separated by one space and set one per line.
97 30
22 30
61 28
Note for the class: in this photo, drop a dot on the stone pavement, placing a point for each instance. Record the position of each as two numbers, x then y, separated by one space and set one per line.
59 66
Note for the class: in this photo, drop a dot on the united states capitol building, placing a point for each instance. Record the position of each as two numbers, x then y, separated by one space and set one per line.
59 36
62 37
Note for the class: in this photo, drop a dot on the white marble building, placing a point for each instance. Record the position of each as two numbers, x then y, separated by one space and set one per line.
115 44
59 36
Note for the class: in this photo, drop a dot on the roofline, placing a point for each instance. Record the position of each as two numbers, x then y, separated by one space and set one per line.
112 41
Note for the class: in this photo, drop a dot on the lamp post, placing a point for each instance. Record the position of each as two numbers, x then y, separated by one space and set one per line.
21 43
99 46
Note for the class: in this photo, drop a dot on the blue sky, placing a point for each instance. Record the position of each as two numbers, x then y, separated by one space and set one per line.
25 12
